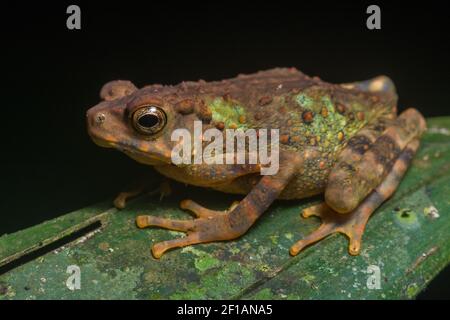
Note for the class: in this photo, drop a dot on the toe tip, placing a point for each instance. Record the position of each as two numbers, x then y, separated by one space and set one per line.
293 251
354 249
184 204
157 252
119 203
141 221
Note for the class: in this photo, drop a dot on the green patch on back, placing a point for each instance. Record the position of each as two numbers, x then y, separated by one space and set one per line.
304 100
228 112
328 128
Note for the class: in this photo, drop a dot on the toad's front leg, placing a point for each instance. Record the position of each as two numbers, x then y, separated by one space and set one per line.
211 225
139 187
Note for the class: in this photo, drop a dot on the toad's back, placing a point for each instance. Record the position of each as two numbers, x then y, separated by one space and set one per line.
311 115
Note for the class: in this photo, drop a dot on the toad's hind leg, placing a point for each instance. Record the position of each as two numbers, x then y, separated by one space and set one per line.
354 223
358 170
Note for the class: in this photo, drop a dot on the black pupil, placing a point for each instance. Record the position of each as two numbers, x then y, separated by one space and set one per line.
148 120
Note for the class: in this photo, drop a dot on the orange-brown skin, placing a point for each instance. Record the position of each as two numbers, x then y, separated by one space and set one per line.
341 140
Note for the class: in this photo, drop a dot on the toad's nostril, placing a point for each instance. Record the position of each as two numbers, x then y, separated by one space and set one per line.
100 118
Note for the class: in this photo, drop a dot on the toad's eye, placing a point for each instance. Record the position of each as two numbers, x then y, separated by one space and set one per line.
149 119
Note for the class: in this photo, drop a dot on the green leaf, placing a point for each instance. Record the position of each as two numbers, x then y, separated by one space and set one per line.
407 241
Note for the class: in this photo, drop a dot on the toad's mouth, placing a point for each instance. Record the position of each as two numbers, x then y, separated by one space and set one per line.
102 143
144 158
132 152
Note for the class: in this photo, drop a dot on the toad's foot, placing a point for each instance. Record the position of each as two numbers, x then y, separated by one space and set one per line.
353 224
208 226
163 190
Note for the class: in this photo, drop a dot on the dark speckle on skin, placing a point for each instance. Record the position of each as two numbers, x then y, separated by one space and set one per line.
265 100
185 106
226 97
258 116
340 108
308 116
220 125
360 116
351 116
284 139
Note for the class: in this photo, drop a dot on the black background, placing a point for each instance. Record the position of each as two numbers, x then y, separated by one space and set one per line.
51 76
